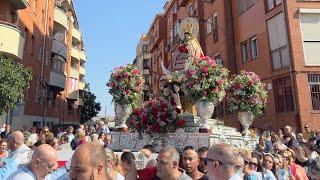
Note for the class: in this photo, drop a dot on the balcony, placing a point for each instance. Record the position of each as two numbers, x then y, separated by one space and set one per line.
82 85
74 73
19 4
183 3
57 80
11 41
80 102
76 36
60 48
83 55
82 71
75 53
158 32
147 56
61 17
73 95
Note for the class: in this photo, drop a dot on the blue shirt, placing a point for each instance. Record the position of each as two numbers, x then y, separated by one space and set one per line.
59 174
24 173
10 166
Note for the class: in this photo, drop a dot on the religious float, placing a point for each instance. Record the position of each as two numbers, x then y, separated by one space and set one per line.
190 91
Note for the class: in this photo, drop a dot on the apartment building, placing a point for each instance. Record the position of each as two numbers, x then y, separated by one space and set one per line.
143 62
45 36
277 39
156 36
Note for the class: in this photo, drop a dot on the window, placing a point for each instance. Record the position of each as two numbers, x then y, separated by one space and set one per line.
209 25
283 94
26 36
191 10
58 65
35 4
244 5
33 45
13 15
37 91
277 31
245 51
314 82
310 28
215 27
145 49
254 47
271 4
40 52
218 59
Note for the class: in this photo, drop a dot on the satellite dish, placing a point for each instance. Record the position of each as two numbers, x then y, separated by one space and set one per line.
188 25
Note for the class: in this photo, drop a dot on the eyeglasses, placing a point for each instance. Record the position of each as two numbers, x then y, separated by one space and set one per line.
246 162
206 160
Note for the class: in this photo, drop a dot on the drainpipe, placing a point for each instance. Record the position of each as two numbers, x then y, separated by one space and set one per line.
291 70
233 38
42 63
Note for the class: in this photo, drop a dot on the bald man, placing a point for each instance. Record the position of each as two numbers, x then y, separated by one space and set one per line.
89 161
221 163
19 152
43 162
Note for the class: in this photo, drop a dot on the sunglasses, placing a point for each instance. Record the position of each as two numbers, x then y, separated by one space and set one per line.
206 160
250 163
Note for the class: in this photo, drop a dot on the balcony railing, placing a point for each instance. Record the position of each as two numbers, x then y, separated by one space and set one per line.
75 53
82 70
57 80
76 35
61 17
74 73
82 85
60 48
83 56
11 40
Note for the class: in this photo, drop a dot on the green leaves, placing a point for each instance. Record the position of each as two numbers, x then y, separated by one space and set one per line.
90 108
14 79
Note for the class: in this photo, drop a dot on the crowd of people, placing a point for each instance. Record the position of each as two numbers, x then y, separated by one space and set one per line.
33 155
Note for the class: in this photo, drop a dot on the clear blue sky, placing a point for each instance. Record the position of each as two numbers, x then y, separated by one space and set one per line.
111 31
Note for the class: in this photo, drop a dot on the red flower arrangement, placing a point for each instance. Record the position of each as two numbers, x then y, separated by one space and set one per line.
158 116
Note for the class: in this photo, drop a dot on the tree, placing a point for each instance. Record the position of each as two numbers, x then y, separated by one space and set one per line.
14 79
90 107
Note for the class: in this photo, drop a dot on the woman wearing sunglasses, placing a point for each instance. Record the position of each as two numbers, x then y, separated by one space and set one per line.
295 171
250 169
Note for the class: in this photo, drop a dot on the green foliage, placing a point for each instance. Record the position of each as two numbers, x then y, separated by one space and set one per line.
14 79
90 108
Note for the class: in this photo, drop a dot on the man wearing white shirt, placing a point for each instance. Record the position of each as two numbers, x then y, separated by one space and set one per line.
19 152
43 162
